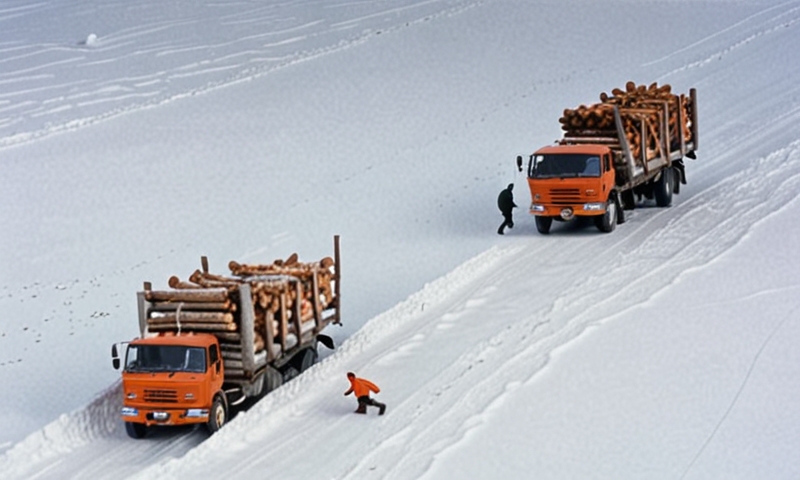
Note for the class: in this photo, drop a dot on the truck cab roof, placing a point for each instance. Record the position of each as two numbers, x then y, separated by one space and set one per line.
189 339
588 149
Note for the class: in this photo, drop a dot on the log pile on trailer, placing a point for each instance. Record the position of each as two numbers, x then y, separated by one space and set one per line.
654 121
286 303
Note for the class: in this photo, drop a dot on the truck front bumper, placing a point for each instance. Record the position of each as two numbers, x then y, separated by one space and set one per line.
164 416
568 212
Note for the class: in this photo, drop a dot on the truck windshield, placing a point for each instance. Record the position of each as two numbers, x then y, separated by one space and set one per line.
564 165
165 358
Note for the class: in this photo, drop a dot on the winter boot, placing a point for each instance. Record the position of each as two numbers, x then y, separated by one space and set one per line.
361 408
382 407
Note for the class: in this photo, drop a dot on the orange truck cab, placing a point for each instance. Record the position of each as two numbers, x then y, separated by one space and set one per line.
172 379
568 181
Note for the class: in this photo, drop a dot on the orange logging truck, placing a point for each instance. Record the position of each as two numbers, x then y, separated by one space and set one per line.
631 144
212 342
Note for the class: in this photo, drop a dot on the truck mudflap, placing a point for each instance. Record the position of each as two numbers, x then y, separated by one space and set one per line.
326 340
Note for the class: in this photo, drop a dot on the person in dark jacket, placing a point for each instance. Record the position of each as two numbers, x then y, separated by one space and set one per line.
361 387
505 202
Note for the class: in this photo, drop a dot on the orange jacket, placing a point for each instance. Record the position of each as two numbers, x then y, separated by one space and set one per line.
361 387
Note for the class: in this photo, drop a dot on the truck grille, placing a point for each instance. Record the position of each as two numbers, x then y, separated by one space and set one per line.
161 396
565 196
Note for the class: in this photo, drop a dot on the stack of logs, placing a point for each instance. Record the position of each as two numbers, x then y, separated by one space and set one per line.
208 302
637 105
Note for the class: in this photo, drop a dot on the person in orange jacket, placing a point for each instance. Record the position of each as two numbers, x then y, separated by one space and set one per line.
361 387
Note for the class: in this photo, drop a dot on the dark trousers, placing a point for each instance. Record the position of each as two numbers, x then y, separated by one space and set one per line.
507 222
365 400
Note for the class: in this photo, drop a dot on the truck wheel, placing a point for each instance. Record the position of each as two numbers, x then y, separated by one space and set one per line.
663 188
272 379
543 224
136 430
627 202
217 416
607 222
289 372
305 359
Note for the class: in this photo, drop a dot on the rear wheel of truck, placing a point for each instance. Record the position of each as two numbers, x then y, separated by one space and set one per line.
627 202
217 416
272 379
136 430
663 188
607 222
305 359
289 372
543 224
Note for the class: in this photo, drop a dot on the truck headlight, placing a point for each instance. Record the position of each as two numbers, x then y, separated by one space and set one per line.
130 412
161 416
594 206
130 395
196 413
537 208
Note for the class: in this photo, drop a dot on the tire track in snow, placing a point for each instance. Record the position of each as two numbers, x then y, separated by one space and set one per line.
733 28
94 431
776 23
742 386
42 104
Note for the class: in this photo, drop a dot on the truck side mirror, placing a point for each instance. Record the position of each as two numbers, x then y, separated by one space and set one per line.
519 162
114 357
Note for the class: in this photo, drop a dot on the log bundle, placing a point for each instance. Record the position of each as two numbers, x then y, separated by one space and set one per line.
286 296
642 109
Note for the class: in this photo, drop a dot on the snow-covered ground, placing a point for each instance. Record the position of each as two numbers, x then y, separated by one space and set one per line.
136 138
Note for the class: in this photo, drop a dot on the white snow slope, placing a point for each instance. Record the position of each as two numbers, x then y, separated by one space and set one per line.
136 137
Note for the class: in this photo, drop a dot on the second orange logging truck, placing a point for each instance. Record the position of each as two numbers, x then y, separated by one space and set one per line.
214 341
631 144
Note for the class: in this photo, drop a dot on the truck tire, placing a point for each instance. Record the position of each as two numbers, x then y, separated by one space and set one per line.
289 372
663 188
217 416
272 379
627 202
136 430
305 359
607 222
543 224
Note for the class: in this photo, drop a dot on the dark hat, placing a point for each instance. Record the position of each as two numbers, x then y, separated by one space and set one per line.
511 186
